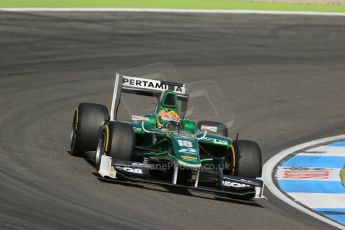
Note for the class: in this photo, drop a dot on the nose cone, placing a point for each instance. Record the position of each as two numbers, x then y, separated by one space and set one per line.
186 150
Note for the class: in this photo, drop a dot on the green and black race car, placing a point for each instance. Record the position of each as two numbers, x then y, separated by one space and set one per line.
163 146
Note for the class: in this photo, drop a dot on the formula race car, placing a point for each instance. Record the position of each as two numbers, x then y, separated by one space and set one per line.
161 145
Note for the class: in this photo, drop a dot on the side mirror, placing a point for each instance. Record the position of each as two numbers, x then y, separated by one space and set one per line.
212 129
139 118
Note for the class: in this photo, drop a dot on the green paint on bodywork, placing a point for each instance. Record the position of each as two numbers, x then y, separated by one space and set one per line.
189 126
342 175
206 161
156 154
151 123
186 149
215 139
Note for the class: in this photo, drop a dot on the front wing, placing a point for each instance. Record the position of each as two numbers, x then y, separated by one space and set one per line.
138 173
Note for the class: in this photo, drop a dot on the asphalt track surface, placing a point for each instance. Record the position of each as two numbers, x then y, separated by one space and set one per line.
284 77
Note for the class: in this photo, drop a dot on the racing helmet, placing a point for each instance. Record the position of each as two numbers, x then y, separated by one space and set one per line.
167 110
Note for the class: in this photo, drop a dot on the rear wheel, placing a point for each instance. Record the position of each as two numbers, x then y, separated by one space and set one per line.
87 120
213 127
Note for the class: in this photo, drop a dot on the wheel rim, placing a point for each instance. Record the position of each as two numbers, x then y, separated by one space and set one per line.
99 151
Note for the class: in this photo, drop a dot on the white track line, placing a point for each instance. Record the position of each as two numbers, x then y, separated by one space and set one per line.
330 151
319 200
153 10
273 162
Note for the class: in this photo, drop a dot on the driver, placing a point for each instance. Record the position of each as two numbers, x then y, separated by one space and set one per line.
165 116
167 110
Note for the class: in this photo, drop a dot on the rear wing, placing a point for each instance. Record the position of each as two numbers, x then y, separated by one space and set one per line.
138 85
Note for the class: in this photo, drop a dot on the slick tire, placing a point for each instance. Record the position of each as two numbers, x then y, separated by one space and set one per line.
121 141
221 128
87 120
248 159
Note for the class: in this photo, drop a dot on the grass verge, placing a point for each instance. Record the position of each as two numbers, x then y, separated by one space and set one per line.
171 4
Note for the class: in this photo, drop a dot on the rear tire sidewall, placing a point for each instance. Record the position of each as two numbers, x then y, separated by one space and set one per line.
74 144
87 120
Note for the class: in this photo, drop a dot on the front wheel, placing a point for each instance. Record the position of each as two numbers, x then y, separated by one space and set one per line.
117 139
248 159
100 149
